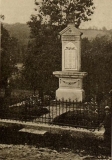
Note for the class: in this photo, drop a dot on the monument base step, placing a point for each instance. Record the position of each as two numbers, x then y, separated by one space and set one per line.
70 94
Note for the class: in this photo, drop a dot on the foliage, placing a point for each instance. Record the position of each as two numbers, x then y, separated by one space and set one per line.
8 58
96 60
43 56
21 33
61 11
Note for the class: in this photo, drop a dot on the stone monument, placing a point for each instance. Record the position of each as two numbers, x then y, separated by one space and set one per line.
70 78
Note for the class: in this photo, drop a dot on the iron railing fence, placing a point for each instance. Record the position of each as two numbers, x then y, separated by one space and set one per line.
59 112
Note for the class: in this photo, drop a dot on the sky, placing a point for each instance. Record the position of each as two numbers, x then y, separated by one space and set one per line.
20 11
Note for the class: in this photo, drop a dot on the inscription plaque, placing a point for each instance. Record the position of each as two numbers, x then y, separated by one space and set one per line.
70 59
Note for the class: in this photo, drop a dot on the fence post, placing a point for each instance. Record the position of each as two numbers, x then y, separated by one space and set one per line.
111 100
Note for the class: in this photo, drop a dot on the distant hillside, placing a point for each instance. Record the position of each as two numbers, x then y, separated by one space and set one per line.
92 33
22 32
19 31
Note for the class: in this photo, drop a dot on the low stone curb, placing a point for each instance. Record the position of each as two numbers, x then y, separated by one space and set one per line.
55 129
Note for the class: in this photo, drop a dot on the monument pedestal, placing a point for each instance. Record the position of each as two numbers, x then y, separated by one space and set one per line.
70 94
70 78
70 85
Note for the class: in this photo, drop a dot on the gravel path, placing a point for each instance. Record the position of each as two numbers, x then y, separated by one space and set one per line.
25 152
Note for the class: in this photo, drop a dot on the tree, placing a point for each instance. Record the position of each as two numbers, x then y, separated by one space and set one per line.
97 54
58 11
44 49
41 60
8 59
104 29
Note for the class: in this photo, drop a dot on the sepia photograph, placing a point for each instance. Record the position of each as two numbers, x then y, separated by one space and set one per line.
55 79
